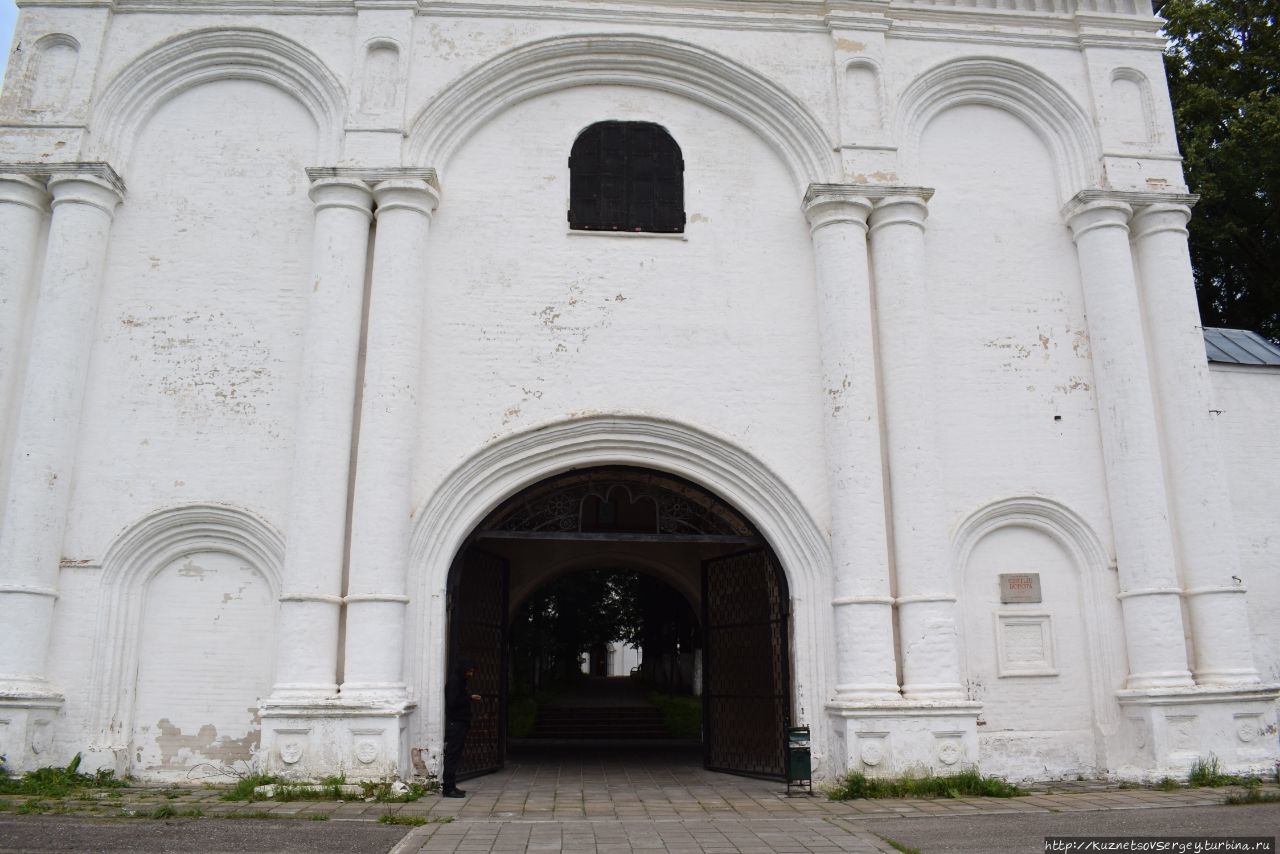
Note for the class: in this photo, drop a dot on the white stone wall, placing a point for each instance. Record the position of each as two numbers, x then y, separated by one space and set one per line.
974 409
1249 428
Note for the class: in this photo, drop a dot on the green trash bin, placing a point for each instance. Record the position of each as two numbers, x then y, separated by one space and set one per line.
799 759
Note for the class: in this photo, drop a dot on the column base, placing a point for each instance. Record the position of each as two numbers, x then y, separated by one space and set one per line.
313 739
1165 732
27 719
891 739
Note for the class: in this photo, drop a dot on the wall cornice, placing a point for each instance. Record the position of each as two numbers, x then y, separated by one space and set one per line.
1051 23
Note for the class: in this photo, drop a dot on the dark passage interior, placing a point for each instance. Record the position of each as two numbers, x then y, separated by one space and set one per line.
580 572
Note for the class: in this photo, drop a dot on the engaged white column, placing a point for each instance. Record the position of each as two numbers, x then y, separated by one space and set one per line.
380 525
1220 636
926 599
1150 595
23 205
866 663
311 601
35 508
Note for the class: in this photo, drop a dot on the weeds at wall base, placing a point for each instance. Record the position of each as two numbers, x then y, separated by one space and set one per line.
856 785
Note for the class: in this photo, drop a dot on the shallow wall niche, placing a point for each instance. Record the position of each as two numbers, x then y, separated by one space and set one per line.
204 661
1130 109
1039 666
184 639
863 95
381 73
50 73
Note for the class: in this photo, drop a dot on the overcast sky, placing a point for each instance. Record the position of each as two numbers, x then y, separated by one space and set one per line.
8 12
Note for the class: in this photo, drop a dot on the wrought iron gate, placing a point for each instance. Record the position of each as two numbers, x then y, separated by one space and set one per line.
746 667
478 629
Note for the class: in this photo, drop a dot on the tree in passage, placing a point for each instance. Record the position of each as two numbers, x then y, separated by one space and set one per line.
1223 62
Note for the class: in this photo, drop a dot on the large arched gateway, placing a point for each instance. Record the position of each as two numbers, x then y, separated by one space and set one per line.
635 492
672 529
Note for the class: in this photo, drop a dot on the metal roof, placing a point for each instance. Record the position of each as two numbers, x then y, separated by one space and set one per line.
1239 347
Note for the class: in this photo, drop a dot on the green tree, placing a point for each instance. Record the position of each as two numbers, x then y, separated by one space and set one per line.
1223 62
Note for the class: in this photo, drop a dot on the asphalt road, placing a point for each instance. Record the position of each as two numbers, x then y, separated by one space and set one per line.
989 834
82 835
1024 834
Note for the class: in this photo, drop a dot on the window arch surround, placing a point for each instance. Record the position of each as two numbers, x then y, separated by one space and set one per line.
775 115
626 176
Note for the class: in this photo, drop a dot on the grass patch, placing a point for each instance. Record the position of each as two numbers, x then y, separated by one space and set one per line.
1207 773
383 793
898 846
1253 795
410 820
1168 784
243 789
681 715
58 782
329 789
247 814
166 811
317 816
964 784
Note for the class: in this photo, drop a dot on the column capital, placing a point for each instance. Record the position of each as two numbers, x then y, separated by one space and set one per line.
1088 212
353 194
85 189
830 204
1135 202
19 189
46 172
901 208
1161 217
411 194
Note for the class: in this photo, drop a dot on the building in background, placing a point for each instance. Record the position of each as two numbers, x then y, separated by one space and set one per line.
330 330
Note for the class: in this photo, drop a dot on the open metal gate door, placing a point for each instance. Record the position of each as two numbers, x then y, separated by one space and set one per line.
478 631
746 669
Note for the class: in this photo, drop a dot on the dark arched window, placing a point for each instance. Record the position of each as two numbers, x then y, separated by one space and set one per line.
626 176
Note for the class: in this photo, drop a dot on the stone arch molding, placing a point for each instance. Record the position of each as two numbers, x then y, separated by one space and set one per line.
142 550
1064 127
679 68
500 470
205 56
1070 531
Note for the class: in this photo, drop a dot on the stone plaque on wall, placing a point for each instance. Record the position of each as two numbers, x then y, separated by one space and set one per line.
1018 587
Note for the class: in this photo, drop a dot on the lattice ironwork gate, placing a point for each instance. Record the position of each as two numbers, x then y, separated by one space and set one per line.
746 664
478 631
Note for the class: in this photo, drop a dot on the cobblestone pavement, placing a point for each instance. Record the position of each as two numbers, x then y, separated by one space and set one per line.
615 801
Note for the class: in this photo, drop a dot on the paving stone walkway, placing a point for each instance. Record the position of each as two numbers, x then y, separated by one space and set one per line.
611 799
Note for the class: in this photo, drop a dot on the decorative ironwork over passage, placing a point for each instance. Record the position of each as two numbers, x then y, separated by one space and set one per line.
618 501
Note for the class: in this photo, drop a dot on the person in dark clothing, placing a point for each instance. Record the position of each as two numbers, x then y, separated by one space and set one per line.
457 721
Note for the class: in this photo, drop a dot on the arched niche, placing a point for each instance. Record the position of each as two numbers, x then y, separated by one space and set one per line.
862 103
1064 127
51 73
1129 108
175 550
1019 655
380 82
210 55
